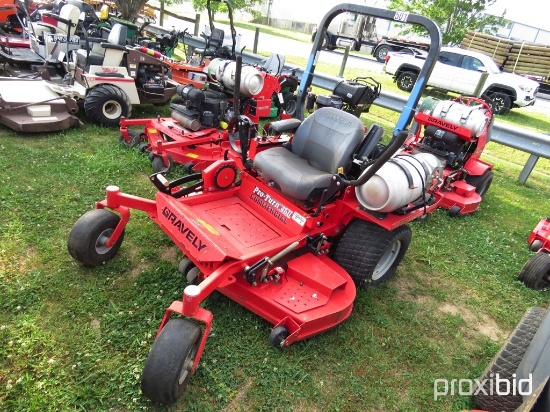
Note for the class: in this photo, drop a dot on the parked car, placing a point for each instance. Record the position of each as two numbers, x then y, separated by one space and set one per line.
461 71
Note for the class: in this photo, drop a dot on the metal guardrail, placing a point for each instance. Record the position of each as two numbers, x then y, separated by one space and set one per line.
535 143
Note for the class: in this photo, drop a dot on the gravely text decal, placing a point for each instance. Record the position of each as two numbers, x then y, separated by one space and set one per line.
190 236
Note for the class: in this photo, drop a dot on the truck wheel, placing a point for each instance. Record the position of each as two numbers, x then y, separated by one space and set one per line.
168 367
370 253
535 273
481 183
381 52
406 81
502 102
506 362
106 104
89 235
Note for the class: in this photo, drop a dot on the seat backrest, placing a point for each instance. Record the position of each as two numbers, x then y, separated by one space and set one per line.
327 139
215 40
71 13
118 35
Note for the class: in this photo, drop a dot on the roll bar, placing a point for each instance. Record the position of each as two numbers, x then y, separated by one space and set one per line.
399 133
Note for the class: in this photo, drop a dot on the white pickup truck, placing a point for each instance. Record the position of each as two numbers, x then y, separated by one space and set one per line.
460 71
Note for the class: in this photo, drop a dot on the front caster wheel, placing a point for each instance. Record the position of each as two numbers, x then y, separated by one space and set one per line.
134 139
278 335
169 365
158 164
88 238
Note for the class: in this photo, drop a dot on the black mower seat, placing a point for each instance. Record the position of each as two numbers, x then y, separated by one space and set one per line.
117 37
323 143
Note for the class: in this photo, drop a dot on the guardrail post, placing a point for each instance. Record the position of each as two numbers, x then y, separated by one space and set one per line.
256 38
197 24
161 17
528 168
344 61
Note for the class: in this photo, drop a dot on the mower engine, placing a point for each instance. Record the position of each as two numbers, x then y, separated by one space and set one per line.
451 130
439 157
197 109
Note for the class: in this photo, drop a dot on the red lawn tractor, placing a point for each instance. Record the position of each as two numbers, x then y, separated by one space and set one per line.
286 234
536 271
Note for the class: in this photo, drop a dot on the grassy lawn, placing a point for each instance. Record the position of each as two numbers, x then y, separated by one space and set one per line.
73 338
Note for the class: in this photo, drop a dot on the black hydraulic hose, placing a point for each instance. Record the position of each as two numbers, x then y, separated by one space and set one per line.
386 154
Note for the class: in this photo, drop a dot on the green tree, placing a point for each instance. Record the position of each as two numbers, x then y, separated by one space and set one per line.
454 17
245 5
129 9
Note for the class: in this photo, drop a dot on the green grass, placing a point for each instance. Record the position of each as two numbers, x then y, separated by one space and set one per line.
74 338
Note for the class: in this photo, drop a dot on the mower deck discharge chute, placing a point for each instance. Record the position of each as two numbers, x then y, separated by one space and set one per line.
281 231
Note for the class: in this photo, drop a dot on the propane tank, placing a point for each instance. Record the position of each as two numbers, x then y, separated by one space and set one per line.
252 81
469 117
223 71
399 181
213 69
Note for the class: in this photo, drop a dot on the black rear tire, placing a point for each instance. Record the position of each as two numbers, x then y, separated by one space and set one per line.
406 80
481 183
535 274
106 105
370 253
88 237
168 367
506 363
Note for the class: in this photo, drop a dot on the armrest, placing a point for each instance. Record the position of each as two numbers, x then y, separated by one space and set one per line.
113 46
285 125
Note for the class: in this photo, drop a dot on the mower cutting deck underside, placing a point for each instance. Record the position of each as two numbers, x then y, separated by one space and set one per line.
42 111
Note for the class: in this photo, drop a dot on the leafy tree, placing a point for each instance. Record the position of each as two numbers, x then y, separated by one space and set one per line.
454 17
245 5
129 9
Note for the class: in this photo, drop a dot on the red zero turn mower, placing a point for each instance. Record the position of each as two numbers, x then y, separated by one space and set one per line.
286 235
536 272
197 133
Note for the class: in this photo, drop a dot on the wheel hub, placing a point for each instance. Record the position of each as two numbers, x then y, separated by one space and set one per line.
386 261
101 242
112 109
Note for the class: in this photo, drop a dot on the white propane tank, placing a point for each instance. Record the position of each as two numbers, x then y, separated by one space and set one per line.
389 188
214 69
252 81
470 117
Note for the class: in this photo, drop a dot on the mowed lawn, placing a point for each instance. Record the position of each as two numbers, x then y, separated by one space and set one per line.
75 338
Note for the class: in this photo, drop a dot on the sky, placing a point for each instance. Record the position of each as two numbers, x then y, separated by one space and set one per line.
531 12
